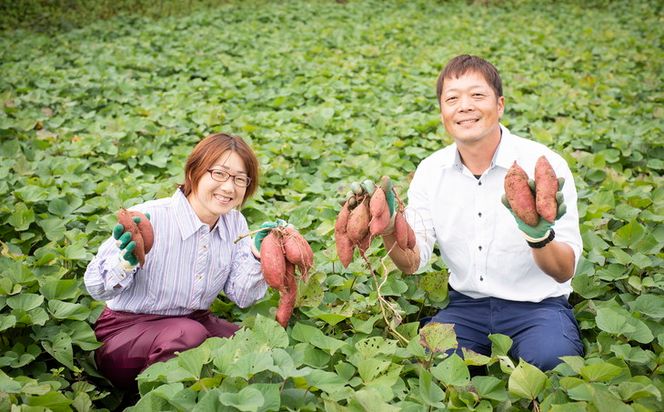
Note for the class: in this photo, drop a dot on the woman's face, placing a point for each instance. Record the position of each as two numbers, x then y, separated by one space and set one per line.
212 198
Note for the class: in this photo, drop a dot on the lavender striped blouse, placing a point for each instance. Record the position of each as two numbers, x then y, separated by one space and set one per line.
188 266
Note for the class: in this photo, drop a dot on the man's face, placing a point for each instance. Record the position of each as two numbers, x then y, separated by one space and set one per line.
470 109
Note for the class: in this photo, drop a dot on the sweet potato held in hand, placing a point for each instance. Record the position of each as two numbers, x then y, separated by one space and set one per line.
546 186
366 214
141 232
519 195
283 250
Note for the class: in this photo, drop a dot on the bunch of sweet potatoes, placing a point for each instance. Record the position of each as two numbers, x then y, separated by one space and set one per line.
529 206
364 215
283 250
141 232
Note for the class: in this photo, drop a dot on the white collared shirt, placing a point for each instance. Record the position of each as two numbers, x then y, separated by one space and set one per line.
188 266
478 238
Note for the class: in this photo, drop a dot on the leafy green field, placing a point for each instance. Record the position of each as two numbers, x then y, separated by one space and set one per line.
104 116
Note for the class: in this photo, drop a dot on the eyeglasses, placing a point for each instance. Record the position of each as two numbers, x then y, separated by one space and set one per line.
220 175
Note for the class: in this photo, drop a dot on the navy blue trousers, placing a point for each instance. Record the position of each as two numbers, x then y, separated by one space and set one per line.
541 332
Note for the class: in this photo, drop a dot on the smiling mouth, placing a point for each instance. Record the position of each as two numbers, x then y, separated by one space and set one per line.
223 199
467 122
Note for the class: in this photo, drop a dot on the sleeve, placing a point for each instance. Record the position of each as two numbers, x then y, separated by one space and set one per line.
245 284
567 227
418 214
105 278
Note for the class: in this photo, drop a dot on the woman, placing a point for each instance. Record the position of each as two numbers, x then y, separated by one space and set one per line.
155 310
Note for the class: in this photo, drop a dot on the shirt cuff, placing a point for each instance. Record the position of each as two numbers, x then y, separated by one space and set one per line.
118 277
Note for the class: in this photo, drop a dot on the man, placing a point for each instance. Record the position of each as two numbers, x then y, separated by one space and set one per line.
505 276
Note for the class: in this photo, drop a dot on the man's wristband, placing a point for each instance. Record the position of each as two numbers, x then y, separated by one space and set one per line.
543 242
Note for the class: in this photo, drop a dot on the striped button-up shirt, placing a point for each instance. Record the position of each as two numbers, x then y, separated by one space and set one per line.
188 266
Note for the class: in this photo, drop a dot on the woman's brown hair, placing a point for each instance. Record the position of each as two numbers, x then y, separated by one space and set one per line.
208 150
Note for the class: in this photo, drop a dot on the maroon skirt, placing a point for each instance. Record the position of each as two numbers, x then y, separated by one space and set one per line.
132 342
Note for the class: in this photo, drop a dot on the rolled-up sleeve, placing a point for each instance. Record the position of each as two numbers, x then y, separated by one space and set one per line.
418 215
245 284
105 277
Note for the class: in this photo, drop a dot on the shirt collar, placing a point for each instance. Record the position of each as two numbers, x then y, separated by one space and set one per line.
187 220
507 151
504 156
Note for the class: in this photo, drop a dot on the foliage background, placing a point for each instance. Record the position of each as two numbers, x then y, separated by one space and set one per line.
102 103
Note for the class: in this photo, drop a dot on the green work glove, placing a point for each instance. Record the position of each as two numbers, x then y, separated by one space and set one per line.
367 187
126 245
542 229
267 226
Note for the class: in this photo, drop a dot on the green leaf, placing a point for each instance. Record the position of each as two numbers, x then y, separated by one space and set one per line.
629 234
452 371
54 228
25 301
54 401
430 393
599 396
650 305
500 344
248 399
60 348
438 337
21 218
67 310
490 387
369 368
601 371
7 321
315 337
192 360
61 289
526 381
329 382
269 331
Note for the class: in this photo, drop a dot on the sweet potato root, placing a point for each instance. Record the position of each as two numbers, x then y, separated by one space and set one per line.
380 213
298 251
141 233
273 261
342 242
401 230
519 195
546 186
358 222
288 296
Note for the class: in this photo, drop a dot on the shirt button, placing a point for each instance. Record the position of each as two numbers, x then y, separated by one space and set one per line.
479 183
479 214
481 278
479 247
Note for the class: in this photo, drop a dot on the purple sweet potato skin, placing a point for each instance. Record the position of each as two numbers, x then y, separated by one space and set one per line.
519 195
546 186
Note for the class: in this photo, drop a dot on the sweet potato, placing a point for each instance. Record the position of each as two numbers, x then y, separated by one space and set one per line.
288 296
401 230
364 244
546 186
358 222
298 251
141 233
519 195
380 213
273 261
341 240
411 237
